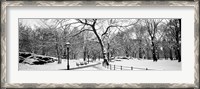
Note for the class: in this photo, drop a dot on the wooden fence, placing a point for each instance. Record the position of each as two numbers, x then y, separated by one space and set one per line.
119 67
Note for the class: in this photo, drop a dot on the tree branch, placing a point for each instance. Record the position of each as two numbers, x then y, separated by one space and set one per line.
95 20
86 23
107 29
81 32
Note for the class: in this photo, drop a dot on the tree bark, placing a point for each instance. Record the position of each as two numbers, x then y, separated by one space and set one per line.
171 57
154 52
179 48
101 45
179 55
84 54
58 54
140 53
108 52
92 25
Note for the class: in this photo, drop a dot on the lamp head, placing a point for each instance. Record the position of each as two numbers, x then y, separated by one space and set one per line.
67 44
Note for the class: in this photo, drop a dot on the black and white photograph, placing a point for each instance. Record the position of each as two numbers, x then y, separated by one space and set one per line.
99 44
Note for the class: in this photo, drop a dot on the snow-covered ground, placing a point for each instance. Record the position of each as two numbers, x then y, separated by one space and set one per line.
55 66
166 65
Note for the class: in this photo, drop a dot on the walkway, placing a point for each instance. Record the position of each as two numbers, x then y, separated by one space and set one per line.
91 67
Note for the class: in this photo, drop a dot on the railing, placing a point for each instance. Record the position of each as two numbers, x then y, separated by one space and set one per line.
119 67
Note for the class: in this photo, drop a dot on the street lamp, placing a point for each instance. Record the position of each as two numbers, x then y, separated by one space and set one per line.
67 45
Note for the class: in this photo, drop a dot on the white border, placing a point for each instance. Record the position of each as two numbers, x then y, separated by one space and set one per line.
184 76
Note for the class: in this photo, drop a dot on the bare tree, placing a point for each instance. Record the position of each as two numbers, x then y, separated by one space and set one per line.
104 38
175 33
93 24
152 29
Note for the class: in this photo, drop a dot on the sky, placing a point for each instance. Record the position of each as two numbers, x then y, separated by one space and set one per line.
33 23
30 22
37 22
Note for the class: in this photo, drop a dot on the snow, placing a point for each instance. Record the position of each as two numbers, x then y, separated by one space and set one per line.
169 65
166 65
55 66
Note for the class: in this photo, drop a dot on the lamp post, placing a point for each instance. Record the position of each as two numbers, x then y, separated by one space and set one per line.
67 45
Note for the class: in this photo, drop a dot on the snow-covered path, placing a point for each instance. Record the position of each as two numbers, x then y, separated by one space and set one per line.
93 67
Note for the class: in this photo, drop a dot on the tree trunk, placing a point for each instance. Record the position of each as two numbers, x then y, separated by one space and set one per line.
88 57
164 53
178 39
43 50
147 53
179 55
58 54
140 53
158 54
112 53
133 54
108 54
126 52
170 55
99 56
101 45
84 54
154 52
64 53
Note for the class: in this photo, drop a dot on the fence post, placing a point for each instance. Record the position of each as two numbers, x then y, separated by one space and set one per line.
131 68
114 67
110 67
121 67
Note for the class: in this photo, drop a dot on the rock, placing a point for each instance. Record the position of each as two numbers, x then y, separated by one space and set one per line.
40 62
45 58
21 59
55 59
24 54
39 57
33 59
48 59
29 61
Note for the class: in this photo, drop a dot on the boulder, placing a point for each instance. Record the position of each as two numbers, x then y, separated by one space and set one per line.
24 54
21 59
47 59
33 59
39 62
29 61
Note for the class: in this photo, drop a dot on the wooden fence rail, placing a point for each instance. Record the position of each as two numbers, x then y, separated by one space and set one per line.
119 67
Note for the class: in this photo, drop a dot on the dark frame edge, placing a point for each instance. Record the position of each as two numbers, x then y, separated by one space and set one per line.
197 45
3 43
